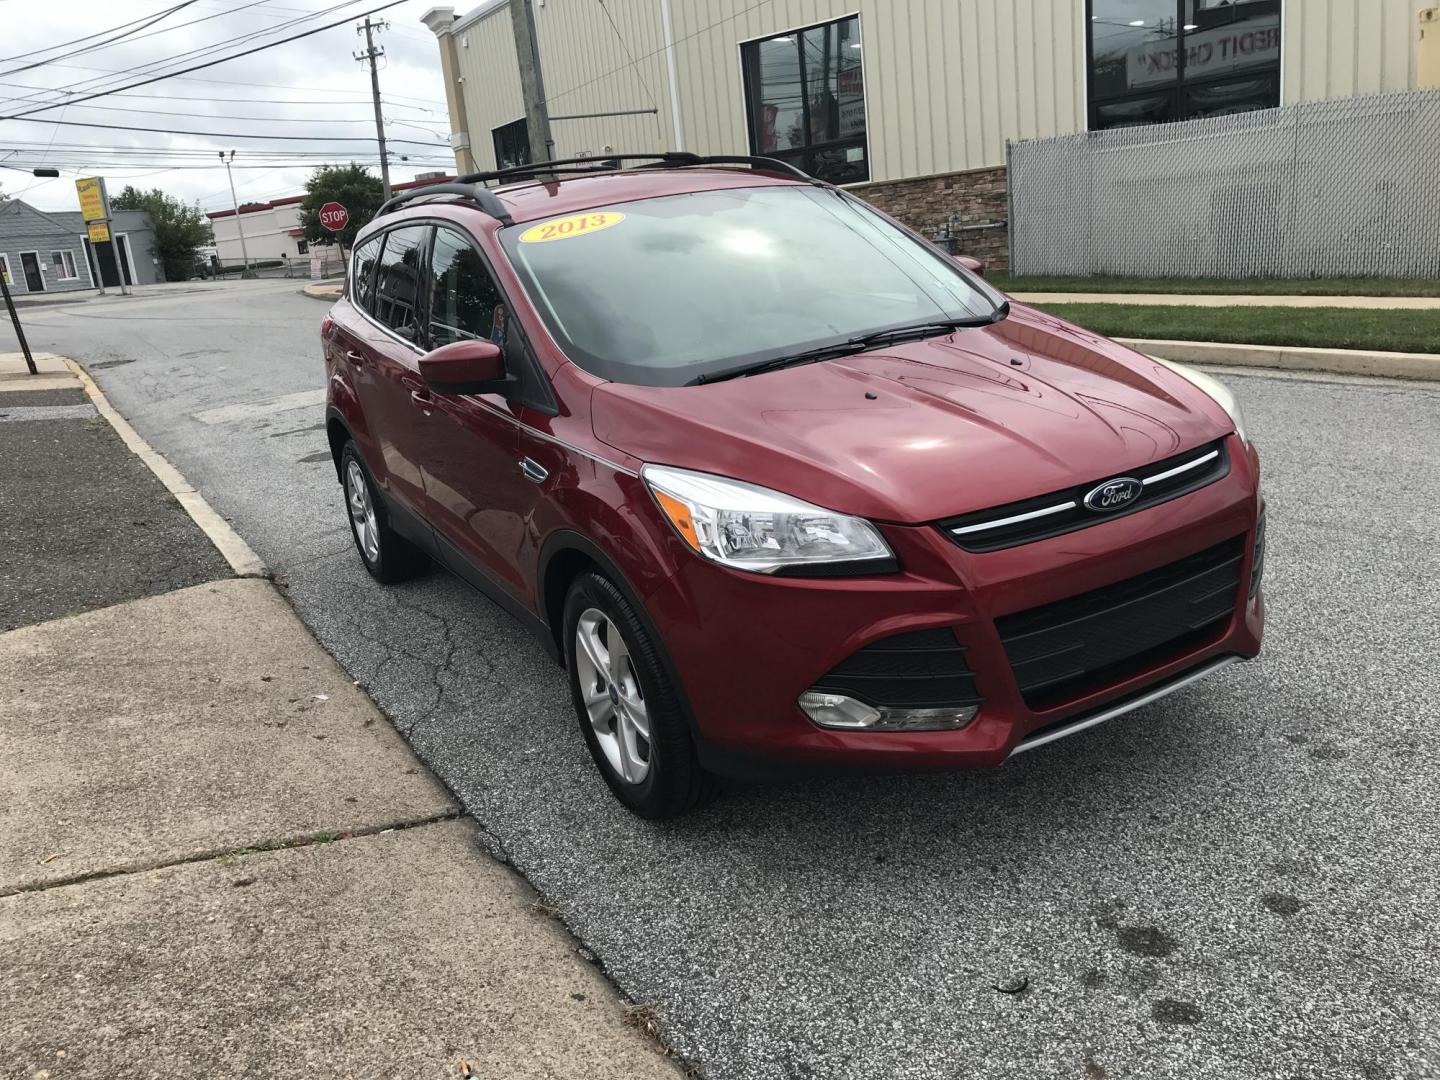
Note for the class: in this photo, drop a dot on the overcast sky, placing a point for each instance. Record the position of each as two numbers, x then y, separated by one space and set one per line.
312 88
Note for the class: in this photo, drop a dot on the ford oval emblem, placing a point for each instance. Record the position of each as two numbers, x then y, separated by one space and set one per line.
1114 494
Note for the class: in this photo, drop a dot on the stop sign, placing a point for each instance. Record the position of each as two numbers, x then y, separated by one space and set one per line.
334 216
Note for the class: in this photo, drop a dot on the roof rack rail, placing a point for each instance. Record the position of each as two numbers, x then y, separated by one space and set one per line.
483 198
470 187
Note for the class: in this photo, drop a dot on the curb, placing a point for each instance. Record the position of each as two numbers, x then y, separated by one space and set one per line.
236 552
319 291
1392 365
1228 300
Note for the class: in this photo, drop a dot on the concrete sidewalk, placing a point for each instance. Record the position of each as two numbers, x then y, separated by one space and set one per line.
221 859
1398 303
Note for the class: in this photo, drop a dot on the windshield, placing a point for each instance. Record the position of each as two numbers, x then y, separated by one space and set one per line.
661 291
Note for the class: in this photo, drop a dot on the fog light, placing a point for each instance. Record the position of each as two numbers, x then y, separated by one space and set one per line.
840 711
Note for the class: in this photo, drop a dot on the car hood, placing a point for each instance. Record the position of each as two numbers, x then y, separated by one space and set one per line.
926 429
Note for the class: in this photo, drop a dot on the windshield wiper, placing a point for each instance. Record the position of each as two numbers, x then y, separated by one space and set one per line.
929 329
810 356
857 344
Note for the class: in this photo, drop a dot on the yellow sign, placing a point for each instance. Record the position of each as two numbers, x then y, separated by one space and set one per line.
99 232
94 206
567 227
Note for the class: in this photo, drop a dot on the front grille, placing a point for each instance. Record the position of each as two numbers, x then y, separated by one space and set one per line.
1061 512
1073 646
925 669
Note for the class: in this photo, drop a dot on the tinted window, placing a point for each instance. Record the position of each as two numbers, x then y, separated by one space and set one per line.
806 96
674 287
1158 60
363 272
398 279
512 145
464 301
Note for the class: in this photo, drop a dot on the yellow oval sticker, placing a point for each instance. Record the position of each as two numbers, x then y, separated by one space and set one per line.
566 227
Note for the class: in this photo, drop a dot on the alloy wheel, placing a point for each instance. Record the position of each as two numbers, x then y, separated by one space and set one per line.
610 690
362 511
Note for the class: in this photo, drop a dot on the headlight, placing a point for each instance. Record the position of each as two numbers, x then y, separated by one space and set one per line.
1215 388
753 528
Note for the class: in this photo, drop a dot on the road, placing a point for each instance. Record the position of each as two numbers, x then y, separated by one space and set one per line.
1240 881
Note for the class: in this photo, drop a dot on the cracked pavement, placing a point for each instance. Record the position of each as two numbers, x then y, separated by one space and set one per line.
1238 881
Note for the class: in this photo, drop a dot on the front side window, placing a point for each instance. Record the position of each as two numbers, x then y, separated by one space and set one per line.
465 304
670 288
1153 61
398 280
805 96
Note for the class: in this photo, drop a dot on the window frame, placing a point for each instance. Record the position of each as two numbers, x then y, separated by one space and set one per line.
67 263
1175 91
495 141
808 150
5 267
422 285
532 388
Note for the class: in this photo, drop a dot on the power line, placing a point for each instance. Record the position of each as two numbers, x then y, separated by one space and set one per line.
656 52
212 134
207 64
87 37
259 119
151 20
232 100
152 67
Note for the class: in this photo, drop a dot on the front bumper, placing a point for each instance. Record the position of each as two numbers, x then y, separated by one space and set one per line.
746 646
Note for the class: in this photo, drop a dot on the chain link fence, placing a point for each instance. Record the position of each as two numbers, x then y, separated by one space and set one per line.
1341 188
325 263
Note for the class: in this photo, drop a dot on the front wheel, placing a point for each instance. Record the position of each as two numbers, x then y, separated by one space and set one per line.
628 710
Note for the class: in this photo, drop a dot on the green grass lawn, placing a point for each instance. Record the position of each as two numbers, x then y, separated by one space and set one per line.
1222 286
1321 328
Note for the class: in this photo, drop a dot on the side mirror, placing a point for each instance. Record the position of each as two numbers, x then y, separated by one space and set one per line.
465 367
975 266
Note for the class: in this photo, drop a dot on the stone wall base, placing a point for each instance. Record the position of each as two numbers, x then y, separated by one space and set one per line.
941 207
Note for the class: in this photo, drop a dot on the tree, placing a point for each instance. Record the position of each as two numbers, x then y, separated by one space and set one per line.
353 187
179 229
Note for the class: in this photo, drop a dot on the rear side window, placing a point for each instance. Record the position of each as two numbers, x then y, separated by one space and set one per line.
465 303
362 273
398 280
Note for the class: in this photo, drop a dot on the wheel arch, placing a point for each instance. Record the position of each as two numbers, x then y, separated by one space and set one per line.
566 555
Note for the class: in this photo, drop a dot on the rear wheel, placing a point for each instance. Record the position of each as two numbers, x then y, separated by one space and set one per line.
628 710
386 554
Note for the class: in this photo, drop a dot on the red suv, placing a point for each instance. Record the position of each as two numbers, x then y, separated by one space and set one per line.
777 480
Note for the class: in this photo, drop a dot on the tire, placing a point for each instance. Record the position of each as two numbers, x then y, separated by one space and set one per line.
650 767
388 556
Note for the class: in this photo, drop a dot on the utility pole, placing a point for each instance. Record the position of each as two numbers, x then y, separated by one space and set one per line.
532 84
370 55
239 225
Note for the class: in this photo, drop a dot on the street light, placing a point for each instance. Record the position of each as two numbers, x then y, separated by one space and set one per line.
239 225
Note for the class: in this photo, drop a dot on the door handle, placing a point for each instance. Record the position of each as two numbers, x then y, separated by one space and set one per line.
422 398
356 358
533 470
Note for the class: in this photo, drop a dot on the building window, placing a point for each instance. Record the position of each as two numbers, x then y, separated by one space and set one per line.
63 263
805 97
302 247
5 268
1154 61
512 144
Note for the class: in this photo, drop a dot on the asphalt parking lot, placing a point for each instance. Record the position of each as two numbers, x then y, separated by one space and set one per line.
1240 881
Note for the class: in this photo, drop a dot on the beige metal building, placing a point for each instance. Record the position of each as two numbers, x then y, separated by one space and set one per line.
911 101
